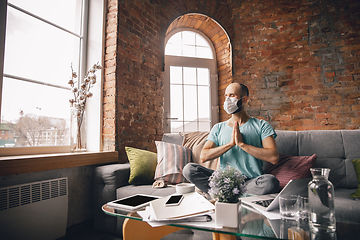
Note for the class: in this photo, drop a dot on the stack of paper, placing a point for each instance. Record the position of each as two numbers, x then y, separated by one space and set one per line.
192 205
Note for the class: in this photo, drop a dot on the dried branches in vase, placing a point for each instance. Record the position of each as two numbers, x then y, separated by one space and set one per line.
78 103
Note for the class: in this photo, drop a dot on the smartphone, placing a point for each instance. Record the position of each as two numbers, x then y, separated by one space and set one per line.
174 200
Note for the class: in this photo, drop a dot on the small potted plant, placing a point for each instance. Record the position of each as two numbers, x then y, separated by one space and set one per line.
227 186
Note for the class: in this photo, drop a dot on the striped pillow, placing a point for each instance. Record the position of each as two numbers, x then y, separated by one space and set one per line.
171 159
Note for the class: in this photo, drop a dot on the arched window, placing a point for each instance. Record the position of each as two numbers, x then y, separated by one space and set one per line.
190 82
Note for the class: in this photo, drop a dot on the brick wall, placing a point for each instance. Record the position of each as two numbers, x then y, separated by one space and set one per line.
300 60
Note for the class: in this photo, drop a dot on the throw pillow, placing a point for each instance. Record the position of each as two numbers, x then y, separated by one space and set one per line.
291 167
142 166
196 141
171 159
356 163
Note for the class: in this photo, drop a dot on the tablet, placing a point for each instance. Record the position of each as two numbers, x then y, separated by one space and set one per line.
133 202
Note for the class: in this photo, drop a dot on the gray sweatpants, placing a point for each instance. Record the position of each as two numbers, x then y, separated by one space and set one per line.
199 175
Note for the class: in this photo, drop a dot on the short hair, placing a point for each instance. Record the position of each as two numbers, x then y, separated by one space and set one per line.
244 91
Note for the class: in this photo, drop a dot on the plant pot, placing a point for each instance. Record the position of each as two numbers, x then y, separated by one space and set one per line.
227 214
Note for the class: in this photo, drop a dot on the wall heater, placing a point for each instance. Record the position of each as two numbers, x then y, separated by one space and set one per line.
34 211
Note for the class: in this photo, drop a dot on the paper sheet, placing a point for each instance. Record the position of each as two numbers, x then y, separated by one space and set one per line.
192 204
145 214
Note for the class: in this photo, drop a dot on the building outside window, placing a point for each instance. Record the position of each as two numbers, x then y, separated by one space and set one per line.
44 39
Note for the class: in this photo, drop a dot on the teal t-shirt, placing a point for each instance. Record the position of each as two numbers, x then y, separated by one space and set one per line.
253 132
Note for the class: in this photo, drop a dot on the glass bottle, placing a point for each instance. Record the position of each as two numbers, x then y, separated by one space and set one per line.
321 201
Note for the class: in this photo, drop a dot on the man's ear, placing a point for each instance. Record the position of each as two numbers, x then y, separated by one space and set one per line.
245 99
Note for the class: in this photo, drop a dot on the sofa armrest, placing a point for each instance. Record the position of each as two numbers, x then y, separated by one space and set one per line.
107 179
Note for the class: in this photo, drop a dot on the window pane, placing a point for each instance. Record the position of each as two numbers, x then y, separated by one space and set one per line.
189 75
200 41
203 52
173 49
48 113
65 13
204 102
188 38
203 76
175 75
204 126
38 51
190 103
176 127
176 102
175 39
191 127
189 51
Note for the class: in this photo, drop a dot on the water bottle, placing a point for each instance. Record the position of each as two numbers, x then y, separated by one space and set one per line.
321 201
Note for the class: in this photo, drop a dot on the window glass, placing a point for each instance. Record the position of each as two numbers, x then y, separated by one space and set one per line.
176 102
188 44
188 104
189 75
203 76
27 114
65 13
190 101
200 41
204 102
188 38
176 75
39 53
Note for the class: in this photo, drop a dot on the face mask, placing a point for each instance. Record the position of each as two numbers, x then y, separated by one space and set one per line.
232 105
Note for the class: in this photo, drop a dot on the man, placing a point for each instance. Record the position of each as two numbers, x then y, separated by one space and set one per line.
243 142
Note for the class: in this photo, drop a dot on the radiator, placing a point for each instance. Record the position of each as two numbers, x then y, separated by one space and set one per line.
34 211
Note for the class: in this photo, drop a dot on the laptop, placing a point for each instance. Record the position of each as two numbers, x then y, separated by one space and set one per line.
270 202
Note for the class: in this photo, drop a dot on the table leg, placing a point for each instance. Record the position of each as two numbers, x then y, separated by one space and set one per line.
221 236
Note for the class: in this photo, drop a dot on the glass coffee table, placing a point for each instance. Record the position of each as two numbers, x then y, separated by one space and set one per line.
252 225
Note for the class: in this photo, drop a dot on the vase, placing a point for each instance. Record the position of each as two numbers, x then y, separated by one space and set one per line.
227 214
321 201
77 144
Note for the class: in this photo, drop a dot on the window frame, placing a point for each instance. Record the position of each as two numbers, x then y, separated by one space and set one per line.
182 61
92 51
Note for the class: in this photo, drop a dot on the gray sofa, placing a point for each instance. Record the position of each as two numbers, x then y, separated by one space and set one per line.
334 148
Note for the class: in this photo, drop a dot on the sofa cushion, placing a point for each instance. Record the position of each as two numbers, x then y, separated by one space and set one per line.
196 141
142 165
356 163
334 148
171 159
287 142
291 167
351 140
347 209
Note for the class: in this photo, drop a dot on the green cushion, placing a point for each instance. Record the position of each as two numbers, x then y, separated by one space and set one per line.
356 163
142 166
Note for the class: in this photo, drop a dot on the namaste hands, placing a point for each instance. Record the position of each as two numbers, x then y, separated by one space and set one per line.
236 136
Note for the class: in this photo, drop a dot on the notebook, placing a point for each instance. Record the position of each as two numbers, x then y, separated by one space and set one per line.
192 205
270 202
